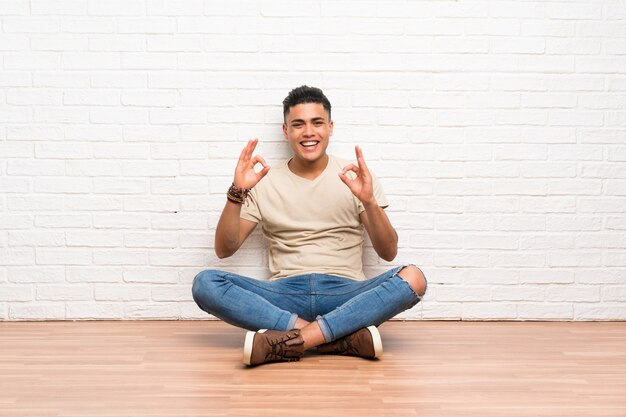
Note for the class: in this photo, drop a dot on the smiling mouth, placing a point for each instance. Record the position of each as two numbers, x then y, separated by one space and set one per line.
309 143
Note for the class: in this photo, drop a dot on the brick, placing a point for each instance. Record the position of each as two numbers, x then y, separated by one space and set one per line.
562 46
83 25
65 256
576 294
598 311
574 11
171 293
615 223
93 168
90 61
463 222
32 97
489 311
545 311
461 260
36 275
28 133
37 311
60 79
92 97
64 151
491 205
152 203
517 260
162 310
122 292
573 223
520 223
440 241
496 242
36 238
151 61
63 7
91 311
179 8
92 274
67 185
63 220
146 25
119 257
574 259
151 275
150 240
94 239
547 242
119 79
120 221
17 293
93 203
15 185
116 8
30 24
518 293
492 276
52 292
176 221
179 151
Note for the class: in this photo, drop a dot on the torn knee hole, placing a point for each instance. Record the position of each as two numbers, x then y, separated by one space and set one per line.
415 277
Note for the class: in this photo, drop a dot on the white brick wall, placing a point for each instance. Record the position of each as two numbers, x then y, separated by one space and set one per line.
497 128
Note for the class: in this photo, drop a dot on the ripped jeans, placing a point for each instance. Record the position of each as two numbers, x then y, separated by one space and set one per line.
340 305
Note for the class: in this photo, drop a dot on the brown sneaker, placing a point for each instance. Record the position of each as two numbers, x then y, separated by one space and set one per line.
365 343
272 346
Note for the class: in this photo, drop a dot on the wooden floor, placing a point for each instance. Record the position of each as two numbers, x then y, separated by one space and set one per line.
193 368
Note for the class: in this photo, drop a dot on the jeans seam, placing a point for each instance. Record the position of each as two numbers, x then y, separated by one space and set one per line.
260 286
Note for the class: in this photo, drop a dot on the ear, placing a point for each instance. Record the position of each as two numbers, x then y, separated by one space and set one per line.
285 130
330 128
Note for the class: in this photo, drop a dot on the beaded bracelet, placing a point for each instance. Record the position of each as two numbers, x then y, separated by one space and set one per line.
238 195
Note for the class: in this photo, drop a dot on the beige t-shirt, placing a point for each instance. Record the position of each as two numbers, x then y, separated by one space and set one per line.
313 226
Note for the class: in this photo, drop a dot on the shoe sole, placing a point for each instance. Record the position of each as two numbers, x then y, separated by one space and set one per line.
248 344
376 341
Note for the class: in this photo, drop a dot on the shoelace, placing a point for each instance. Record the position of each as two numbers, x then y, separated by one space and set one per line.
280 349
346 346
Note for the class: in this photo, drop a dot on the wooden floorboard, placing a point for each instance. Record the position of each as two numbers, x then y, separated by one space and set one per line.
193 368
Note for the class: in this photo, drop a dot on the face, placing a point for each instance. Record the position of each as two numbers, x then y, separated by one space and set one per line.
307 128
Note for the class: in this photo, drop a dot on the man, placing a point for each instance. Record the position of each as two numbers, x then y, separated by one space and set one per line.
312 209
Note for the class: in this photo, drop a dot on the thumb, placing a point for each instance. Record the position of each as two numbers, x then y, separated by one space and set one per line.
345 178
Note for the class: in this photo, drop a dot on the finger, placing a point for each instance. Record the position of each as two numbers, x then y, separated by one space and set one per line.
350 167
258 159
360 159
251 147
345 179
262 173
244 152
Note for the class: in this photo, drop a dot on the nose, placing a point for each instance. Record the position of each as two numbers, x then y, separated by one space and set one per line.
308 130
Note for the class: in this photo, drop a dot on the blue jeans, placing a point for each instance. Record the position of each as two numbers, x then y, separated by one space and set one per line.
340 305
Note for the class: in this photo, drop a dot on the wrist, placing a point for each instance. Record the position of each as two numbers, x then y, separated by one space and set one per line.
237 195
370 203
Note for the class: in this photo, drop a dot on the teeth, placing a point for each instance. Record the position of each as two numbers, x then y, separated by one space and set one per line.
309 143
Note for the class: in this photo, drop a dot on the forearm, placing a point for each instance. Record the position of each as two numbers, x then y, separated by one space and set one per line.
382 234
227 233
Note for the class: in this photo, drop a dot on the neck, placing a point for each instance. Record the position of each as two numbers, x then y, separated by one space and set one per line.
306 169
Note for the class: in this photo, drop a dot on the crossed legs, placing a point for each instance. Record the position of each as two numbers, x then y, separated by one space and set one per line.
311 332
283 305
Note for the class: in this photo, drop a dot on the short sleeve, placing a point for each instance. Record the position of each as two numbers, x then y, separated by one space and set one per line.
379 195
250 209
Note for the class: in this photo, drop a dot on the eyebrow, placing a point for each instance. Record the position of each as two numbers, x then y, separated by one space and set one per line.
315 119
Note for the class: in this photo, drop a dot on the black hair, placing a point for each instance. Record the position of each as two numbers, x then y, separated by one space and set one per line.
305 94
